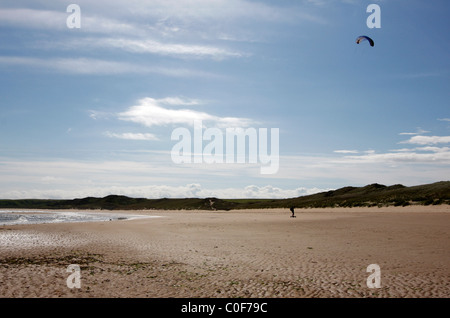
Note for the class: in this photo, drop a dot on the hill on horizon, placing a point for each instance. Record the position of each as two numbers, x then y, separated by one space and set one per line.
370 195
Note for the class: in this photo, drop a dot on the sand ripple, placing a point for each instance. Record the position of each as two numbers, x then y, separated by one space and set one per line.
232 255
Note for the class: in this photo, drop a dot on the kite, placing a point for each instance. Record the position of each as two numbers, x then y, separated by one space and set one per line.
361 38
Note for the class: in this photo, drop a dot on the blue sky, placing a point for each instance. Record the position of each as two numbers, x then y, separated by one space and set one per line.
90 111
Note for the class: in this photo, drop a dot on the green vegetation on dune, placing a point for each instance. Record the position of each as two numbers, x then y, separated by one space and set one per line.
370 195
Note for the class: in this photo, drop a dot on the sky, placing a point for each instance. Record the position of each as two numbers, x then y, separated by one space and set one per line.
92 101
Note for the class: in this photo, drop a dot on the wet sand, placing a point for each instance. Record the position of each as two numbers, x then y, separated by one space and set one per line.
251 253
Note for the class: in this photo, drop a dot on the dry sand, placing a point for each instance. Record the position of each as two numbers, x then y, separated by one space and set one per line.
252 253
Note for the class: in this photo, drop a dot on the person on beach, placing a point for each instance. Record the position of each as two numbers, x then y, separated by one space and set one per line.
292 210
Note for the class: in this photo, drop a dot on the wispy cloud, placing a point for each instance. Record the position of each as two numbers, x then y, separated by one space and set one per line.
56 20
193 190
442 157
275 192
179 101
74 65
32 18
148 46
427 149
132 136
418 132
162 26
427 152
427 140
346 151
90 66
150 112
71 179
185 12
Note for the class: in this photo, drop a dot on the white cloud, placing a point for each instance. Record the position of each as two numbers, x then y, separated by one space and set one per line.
132 136
51 179
149 112
388 168
346 151
180 10
427 140
142 45
275 192
132 175
428 149
90 66
442 157
94 114
56 20
70 179
178 101
94 66
418 132
164 191
36 19
160 48
408 133
186 12
159 26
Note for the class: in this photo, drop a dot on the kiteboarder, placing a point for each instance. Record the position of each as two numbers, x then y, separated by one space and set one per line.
292 210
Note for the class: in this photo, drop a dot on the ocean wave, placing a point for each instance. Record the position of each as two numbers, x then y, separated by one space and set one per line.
9 217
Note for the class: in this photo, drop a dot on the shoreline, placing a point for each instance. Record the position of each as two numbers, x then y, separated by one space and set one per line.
408 208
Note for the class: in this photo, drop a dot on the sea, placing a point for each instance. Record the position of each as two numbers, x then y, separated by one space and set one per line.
12 217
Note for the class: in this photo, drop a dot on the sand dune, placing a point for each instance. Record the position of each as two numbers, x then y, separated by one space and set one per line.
320 253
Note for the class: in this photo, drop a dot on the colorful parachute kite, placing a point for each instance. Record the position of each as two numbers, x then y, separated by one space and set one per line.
362 38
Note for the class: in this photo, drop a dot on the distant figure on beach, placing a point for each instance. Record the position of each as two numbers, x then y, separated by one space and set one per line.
292 210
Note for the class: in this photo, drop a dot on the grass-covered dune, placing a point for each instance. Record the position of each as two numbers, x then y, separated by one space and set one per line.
370 195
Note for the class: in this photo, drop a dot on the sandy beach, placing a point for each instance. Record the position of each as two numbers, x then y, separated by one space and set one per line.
250 253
